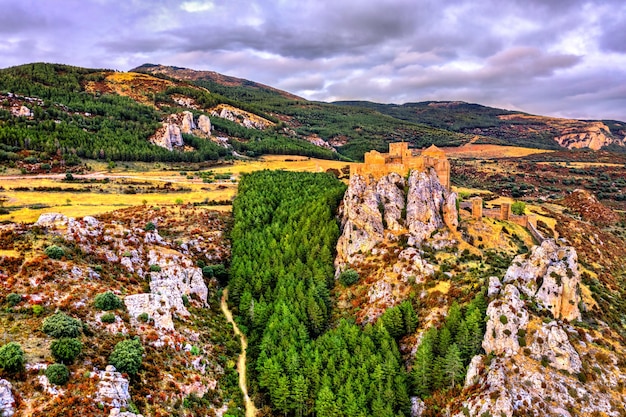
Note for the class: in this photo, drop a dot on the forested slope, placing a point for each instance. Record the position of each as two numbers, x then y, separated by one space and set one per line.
281 274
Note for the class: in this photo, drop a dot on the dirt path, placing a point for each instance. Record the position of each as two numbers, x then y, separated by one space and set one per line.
241 362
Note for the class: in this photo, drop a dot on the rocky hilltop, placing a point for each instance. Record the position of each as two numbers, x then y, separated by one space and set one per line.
377 213
149 260
538 361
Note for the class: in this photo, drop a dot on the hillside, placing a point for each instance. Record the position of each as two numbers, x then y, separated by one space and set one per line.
505 127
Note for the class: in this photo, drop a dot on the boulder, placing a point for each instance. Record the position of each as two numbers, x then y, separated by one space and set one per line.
112 388
7 401
51 220
168 136
417 407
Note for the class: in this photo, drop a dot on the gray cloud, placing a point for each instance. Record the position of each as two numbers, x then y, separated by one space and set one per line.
557 57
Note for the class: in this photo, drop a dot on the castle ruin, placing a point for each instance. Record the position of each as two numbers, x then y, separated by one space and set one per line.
402 160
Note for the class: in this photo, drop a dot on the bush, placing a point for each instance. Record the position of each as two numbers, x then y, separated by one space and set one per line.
503 319
54 252
108 318
218 271
37 310
348 277
57 374
149 227
126 356
143 317
155 268
13 299
11 357
107 301
65 350
61 325
519 207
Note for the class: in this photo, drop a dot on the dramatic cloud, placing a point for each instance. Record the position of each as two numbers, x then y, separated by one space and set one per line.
559 57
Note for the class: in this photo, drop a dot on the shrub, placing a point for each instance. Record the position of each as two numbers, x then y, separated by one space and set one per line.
107 301
37 309
348 277
54 252
149 227
126 356
13 299
108 318
143 317
11 357
61 325
57 374
519 207
218 271
65 350
503 319
155 268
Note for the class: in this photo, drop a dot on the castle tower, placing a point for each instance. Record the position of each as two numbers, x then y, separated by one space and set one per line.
505 211
477 207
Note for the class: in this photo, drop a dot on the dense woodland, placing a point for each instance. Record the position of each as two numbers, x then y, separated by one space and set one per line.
300 361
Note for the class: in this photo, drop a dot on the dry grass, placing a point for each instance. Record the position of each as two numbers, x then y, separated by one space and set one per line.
105 197
490 151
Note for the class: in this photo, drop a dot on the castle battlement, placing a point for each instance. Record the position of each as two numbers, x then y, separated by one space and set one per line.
402 160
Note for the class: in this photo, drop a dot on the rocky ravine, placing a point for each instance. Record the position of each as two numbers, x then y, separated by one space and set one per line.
537 363
392 209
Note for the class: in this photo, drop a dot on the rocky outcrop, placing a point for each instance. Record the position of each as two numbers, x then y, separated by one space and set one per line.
550 274
429 206
7 401
168 136
375 210
508 319
241 117
22 111
534 365
204 124
112 388
592 135
156 306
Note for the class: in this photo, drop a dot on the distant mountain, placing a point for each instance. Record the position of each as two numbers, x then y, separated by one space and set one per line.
505 127
52 112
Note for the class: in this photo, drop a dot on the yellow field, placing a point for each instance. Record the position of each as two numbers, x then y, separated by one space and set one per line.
490 151
77 204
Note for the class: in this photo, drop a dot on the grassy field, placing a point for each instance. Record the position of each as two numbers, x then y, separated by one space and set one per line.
103 190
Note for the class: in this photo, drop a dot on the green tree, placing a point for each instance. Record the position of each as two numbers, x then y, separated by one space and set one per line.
127 356
326 404
61 325
107 301
57 374
12 357
65 350
453 366
519 208
422 368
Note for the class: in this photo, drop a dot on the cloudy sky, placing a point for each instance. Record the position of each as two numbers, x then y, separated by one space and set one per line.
555 57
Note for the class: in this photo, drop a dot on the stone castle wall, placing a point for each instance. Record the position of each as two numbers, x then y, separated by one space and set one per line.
402 160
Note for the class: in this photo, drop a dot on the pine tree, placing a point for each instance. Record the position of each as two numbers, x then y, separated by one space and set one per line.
422 368
454 318
453 368
326 405
445 340
409 317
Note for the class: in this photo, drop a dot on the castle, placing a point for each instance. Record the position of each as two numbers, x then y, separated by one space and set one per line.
401 160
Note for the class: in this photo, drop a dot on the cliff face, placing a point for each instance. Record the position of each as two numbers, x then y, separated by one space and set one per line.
536 362
170 135
399 212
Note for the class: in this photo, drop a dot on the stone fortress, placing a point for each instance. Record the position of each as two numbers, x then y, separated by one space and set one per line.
402 160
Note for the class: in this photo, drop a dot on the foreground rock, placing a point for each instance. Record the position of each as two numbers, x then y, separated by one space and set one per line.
536 363
7 401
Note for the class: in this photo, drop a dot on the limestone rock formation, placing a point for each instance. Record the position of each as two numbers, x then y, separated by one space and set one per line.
112 388
187 125
550 273
204 124
168 136
22 111
7 401
592 135
551 343
375 210
428 204
156 306
242 117
507 318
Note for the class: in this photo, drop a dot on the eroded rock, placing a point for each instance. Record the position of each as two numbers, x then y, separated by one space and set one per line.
7 401
508 319
112 388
